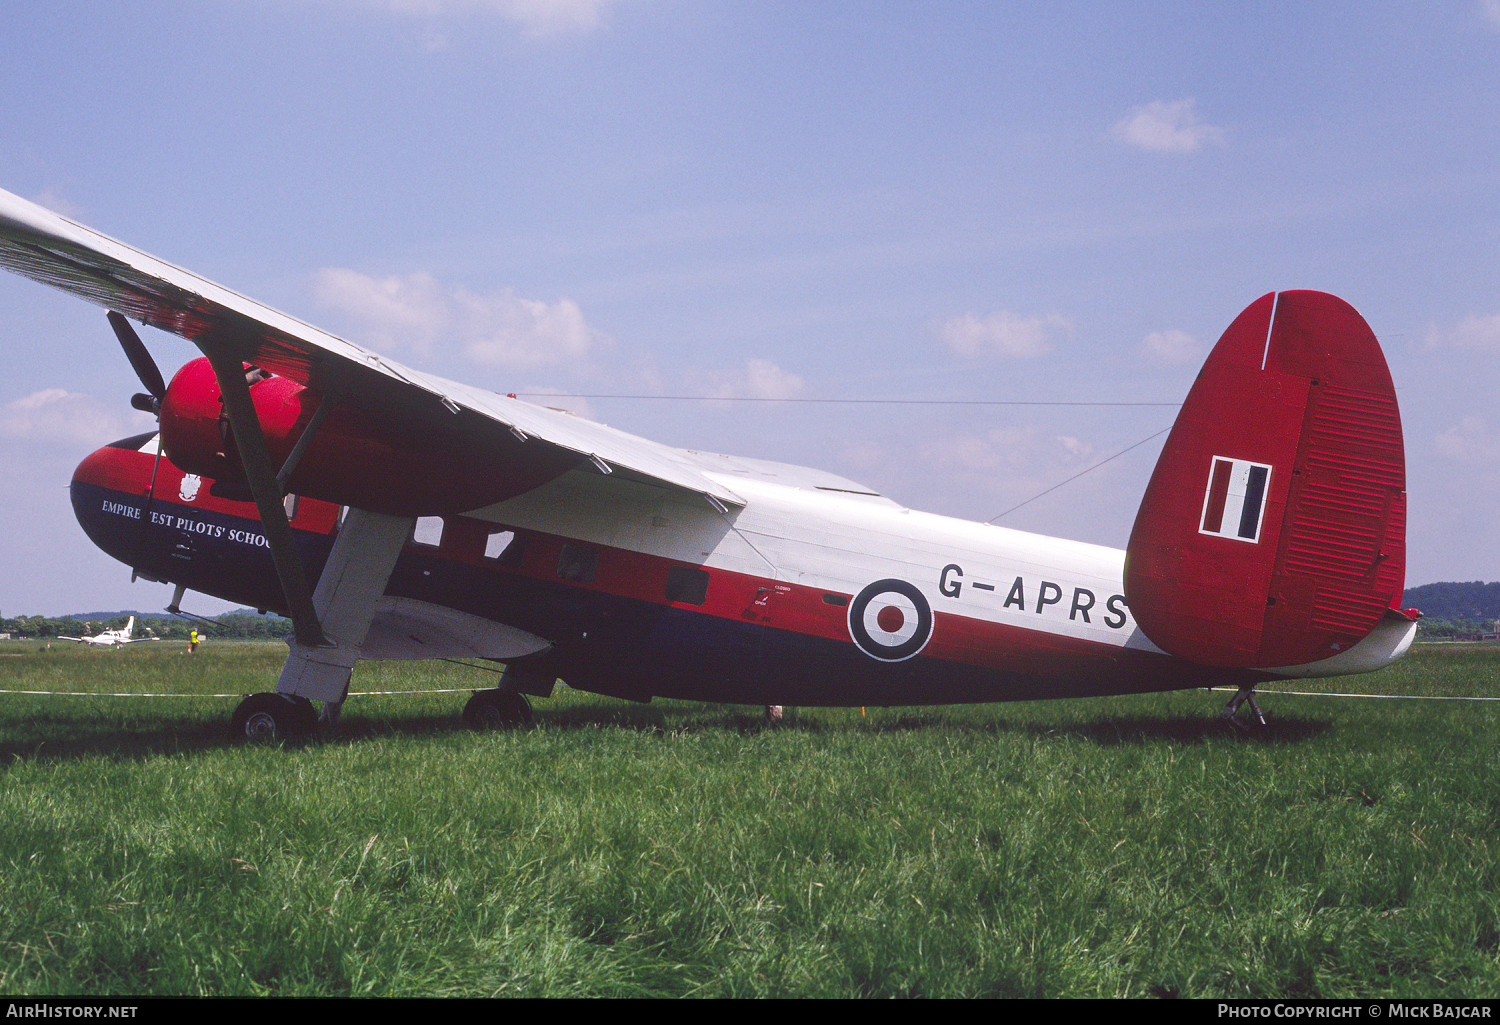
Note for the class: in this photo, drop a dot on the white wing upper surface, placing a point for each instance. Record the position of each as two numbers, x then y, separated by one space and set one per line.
49 248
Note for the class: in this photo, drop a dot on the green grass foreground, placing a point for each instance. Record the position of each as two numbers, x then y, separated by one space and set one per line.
1124 847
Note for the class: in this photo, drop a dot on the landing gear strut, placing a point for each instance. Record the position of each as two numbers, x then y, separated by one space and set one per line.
496 709
272 717
1241 696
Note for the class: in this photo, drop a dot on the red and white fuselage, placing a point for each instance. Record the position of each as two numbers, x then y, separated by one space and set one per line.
815 591
440 519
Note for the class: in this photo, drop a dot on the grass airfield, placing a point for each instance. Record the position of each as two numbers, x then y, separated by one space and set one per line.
1127 847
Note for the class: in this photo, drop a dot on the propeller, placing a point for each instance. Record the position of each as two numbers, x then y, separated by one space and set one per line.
144 366
145 369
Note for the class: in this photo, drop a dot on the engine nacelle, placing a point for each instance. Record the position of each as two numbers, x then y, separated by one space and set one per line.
399 467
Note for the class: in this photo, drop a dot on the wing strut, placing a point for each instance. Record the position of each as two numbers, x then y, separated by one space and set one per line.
353 581
256 460
328 626
325 405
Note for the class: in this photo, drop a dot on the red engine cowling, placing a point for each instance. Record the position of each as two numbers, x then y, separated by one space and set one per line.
402 468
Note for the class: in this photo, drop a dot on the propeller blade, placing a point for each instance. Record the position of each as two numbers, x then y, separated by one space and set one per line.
140 359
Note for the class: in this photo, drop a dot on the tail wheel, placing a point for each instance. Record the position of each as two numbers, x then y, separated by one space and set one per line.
496 709
272 717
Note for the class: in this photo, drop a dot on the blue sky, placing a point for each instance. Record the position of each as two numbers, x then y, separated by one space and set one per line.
947 200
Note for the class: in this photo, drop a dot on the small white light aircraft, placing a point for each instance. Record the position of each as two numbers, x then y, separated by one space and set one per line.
113 638
396 515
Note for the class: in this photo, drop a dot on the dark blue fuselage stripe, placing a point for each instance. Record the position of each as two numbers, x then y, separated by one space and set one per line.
603 642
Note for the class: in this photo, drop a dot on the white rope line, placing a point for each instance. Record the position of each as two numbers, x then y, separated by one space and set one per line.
435 690
1332 694
236 694
461 690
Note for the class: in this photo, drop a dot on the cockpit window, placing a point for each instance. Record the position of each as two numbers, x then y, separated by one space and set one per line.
428 531
505 547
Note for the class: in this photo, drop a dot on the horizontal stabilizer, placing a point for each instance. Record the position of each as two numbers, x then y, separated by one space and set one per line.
1273 532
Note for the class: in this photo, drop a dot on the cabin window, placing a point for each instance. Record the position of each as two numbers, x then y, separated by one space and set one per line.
578 563
687 584
506 548
428 531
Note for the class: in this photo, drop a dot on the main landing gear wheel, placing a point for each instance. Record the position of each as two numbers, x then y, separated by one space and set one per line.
496 709
272 717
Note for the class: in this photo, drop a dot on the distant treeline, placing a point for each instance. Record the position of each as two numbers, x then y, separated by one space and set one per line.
230 624
1449 610
1476 600
1466 609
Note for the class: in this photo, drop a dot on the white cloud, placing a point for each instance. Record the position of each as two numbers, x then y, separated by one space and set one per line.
417 312
507 331
765 380
1481 334
1075 447
1171 347
553 17
56 415
400 312
1002 456
55 201
1010 466
1490 10
1470 441
1166 128
537 18
1009 459
1002 333
757 379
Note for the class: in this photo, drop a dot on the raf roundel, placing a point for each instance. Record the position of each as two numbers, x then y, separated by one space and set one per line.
890 620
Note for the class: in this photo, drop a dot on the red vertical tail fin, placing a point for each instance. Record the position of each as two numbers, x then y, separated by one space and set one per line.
1273 532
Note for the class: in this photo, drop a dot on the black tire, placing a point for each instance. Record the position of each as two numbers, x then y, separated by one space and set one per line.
496 709
272 717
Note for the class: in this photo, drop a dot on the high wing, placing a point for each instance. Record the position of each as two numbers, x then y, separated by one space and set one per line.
54 250
389 443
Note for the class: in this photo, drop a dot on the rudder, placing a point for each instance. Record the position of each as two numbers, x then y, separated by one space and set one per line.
1272 532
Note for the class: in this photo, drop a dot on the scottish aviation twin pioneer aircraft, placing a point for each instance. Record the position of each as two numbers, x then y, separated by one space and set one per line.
396 515
112 638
